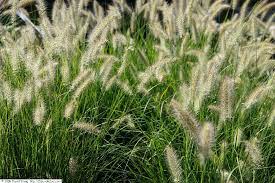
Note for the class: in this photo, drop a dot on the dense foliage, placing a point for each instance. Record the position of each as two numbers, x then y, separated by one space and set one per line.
158 93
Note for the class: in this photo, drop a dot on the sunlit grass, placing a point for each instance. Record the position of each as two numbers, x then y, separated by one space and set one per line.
125 131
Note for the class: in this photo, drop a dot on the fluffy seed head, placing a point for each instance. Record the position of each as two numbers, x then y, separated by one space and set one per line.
7 92
48 125
82 75
39 113
226 98
18 99
206 139
125 119
185 95
124 86
254 152
186 119
84 85
257 95
196 81
65 72
87 127
70 107
173 163
106 69
73 166
104 24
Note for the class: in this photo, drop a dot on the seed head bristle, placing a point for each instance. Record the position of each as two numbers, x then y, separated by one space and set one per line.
87 127
124 86
106 69
174 164
256 95
69 108
39 113
65 72
7 92
48 125
254 152
226 98
214 108
103 25
206 140
19 100
185 95
186 119
82 75
73 166
128 119
90 78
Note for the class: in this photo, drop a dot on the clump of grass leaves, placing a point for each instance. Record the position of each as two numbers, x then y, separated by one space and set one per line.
158 92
